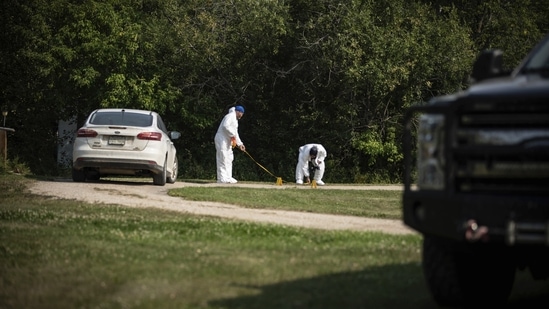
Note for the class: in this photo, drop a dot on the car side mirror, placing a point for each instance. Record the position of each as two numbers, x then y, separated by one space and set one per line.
488 65
174 135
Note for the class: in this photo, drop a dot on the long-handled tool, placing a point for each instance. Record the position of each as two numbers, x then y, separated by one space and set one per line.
278 179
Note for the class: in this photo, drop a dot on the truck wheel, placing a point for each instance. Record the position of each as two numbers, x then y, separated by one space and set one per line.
467 274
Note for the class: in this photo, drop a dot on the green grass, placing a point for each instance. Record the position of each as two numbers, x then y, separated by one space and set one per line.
69 254
364 203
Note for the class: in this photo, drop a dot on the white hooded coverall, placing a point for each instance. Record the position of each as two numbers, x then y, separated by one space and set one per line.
228 128
302 168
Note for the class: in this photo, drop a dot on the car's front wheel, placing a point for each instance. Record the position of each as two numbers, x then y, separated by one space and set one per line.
173 175
160 178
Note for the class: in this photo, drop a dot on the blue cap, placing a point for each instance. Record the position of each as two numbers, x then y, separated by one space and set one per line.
239 108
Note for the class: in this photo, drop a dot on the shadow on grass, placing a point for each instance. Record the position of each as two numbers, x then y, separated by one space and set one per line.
372 288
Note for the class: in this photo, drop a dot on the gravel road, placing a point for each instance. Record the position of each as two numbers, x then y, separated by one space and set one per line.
144 194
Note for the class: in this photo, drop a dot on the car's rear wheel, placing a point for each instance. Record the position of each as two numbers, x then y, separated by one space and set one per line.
173 176
78 175
160 178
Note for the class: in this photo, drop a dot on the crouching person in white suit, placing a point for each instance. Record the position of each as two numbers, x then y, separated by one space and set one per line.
314 154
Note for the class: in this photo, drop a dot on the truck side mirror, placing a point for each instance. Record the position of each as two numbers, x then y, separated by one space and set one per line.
488 65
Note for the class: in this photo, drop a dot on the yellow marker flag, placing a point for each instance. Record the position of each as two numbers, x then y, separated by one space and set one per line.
313 184
279 181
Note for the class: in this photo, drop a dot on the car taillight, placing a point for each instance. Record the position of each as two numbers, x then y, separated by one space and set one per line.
151 136
86 133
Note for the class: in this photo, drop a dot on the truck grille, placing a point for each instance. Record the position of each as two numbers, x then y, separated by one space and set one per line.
500 146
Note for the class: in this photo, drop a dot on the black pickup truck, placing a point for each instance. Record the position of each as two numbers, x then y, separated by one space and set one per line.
477 181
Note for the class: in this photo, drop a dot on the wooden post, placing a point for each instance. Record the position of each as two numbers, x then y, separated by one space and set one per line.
4 146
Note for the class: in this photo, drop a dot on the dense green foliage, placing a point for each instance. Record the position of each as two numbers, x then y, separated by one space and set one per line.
337 73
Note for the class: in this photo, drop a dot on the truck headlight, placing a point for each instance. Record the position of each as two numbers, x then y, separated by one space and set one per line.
430 161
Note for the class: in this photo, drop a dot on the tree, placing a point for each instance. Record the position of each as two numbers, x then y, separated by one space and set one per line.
338 73
512 26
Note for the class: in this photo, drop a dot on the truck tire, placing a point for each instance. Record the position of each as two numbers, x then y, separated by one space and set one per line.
459 274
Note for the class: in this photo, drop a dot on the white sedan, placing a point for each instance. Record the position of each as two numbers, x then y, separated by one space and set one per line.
125 142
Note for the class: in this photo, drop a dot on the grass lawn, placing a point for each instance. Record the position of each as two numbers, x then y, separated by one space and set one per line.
384 204
69 254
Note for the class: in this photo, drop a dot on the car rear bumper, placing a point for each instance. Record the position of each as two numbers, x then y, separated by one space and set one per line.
117 164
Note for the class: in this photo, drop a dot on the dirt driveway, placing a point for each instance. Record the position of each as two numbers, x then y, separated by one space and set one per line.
144 194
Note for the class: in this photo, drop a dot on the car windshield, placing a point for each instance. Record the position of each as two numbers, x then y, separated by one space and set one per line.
122 118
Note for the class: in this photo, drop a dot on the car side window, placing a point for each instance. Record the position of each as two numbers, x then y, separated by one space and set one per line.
161 125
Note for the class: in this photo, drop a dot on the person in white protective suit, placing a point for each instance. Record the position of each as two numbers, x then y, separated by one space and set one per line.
314 154
225 139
